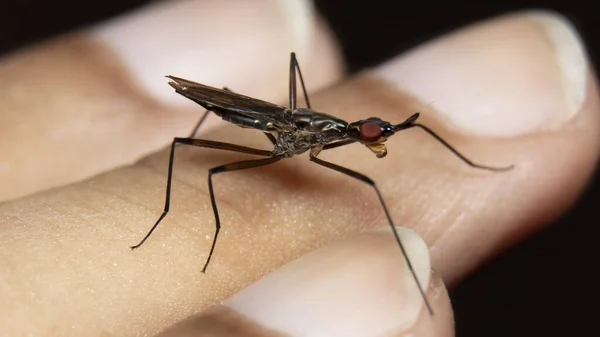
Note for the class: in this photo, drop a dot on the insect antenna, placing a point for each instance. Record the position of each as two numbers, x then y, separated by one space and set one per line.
410 123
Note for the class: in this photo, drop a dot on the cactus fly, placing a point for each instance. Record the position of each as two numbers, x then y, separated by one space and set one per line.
292 130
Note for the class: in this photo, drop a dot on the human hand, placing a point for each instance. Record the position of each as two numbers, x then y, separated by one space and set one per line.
66 265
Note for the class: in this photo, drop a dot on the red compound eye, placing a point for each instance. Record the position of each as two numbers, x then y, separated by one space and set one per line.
370 131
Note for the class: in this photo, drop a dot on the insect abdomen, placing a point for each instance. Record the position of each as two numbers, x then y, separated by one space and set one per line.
246 122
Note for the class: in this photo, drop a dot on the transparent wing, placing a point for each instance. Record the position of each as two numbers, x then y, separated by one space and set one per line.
219 100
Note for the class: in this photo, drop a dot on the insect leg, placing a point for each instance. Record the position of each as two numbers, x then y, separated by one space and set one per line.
240 165
272 138
200 143
370 182
294 66
202 119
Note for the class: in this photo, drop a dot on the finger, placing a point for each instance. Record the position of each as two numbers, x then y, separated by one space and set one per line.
276 213
96 99
356 287
524 80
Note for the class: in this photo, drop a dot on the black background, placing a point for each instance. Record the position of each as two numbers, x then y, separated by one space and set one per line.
547 285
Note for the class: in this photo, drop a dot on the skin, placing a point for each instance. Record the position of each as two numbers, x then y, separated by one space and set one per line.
65 263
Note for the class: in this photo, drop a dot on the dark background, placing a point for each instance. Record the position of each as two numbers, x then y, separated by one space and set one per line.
546 286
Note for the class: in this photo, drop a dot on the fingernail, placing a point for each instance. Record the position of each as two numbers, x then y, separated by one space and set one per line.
215 42
513 75
356 287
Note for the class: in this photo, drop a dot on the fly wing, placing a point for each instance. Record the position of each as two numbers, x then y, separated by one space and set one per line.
218 99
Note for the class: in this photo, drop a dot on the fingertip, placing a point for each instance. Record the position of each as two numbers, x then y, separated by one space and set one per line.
99 98
441 322
510 76
349 288
211 42
364 277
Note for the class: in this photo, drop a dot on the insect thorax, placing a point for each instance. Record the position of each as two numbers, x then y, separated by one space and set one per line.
311 129
296 142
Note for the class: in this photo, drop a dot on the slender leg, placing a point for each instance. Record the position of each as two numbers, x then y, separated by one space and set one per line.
272 138
202 119
294 66
199 143
370 182
240 165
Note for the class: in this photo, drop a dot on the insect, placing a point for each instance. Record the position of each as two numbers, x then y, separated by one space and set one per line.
292 131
